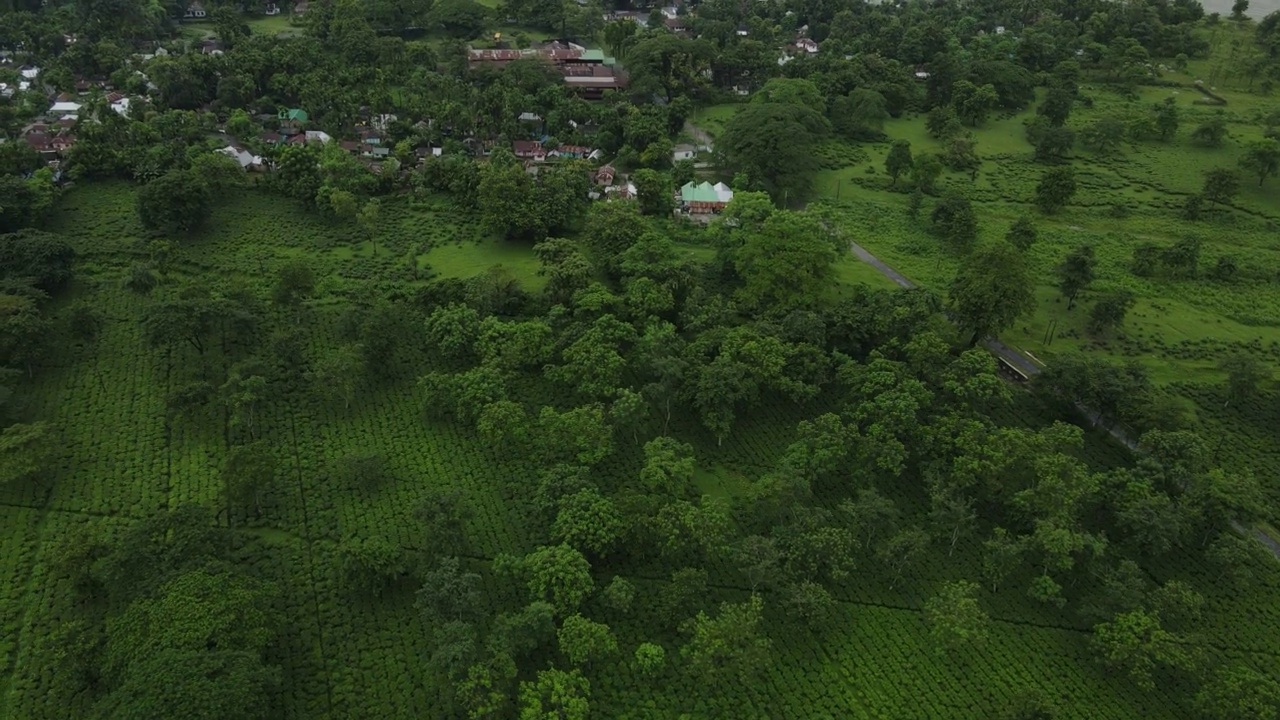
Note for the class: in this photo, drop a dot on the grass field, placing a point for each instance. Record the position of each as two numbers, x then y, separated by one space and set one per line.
712 119
1180 328
274 25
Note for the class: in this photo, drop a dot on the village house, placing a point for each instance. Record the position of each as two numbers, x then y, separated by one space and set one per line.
300 8
246 159
195 11
625 191
571 152
292 121
704 197
272 9
65 107
605 175
376 152
423 153
40 142
589 72
806 45
683 152
529 150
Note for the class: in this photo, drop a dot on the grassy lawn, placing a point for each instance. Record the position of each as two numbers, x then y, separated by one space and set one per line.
468 259
713 118
274 25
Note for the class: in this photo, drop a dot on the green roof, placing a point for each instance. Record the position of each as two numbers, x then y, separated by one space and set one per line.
294 114
702 192
593 55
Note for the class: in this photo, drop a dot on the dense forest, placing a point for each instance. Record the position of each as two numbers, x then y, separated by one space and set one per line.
400 359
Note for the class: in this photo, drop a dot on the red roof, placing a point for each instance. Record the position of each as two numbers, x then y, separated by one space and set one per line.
527 148
37 140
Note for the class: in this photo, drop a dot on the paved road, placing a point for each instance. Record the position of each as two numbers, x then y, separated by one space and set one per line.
1029 367
1006 353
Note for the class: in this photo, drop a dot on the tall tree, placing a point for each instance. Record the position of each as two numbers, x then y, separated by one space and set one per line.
899 160
1022 234
773 144
955 617
991 290
176 202
1055 189
555 695
730 646
1244 375
1239 692
1220 185
954 220
1137 643
1109 311
1261 159
1075 273
787 263
1167 119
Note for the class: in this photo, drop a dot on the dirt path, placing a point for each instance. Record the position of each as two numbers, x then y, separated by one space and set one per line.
1030 368
702 137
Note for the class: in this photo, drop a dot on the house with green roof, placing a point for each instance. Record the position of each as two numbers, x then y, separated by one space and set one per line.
705 197
292 121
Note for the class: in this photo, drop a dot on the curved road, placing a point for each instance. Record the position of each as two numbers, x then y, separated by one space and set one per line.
1029 368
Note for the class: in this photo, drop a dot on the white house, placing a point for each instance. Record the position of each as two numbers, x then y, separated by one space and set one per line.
246 159
683 152
194 11
30 73
807 45
319 136
121 106
65 108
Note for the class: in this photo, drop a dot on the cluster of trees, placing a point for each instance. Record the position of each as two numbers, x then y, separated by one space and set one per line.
629 337
35 267
165 624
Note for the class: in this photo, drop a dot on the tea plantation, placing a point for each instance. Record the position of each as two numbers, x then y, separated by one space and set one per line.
125 454
370 360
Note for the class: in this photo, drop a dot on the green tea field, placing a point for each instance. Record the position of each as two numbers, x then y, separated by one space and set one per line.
126 455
